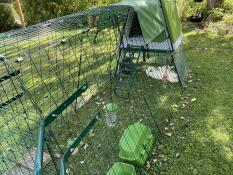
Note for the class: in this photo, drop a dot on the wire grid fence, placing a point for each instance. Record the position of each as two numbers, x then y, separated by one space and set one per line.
47 62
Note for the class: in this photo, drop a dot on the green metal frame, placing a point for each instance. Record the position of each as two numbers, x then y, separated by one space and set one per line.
48 120
143 49
70 150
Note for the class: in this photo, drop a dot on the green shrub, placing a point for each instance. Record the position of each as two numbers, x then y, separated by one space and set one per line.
228 5
187 8
7 18
40 10
217 14
6 1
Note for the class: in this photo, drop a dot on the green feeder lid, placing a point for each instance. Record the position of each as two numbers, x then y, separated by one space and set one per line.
122 169
111 107
136 144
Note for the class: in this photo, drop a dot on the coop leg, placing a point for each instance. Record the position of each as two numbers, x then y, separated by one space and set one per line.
173 61
95 38
144 56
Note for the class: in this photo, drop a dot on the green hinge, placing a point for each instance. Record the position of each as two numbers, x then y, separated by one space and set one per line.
48 120
74 145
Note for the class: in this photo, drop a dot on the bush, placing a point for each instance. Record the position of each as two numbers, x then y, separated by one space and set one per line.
7 18
6 1
188 8
40 10
228 5
217 14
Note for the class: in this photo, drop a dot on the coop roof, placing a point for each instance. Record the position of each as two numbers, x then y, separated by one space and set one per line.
152 20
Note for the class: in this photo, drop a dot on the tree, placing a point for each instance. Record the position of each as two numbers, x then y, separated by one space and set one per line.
40 10
215 4
7 19
6 1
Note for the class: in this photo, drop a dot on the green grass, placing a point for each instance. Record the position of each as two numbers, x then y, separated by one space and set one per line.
202 141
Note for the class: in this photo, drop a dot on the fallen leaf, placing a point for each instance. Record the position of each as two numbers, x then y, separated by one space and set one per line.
160 147
140 120
57 155
168 134
81 143
91 134
85 146
177 155
75 151
67 170
193 99
182 118
183 106
148 164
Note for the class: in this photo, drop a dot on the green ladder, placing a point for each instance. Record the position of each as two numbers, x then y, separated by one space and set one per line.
124 76
9 76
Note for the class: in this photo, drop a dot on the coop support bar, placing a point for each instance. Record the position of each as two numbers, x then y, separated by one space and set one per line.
39 151
74 145
48 120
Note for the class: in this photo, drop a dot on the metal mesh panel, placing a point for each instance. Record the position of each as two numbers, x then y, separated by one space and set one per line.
43 65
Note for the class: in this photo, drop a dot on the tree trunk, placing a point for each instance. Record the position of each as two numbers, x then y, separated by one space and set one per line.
215 3
21 16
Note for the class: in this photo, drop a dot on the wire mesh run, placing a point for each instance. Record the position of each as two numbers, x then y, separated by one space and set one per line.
43 65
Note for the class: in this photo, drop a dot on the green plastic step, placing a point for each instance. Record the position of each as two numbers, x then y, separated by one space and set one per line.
122 169
136 144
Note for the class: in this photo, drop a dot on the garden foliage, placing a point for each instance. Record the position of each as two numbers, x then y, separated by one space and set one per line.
42 10
6 15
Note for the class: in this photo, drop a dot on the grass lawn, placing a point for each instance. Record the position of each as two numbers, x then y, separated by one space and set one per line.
202 141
